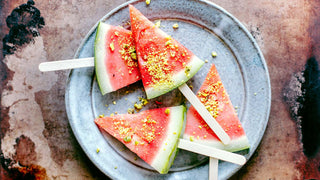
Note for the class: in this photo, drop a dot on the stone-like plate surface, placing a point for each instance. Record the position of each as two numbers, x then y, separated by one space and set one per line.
203 27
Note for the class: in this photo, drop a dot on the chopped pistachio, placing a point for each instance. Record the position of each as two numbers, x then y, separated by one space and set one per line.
175 26
167 111
112 46
130 111
214 54
127 139
168 42
133 56
191 138
158 23
101 115
148 2
138 106
98 150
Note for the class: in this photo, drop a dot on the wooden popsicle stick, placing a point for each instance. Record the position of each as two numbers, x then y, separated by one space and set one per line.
211 152
213 168
204 113
66 64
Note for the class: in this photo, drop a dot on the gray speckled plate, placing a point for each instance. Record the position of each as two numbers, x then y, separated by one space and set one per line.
203 27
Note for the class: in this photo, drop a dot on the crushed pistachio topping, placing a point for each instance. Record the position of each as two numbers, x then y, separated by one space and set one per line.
130 111
126 50
191 138
127 139
116 167
148 129
208 97
112 46
157 24
98 150
175 26
138 106
143 101
148 2
101 115
214 54
111 114
167 111
187 70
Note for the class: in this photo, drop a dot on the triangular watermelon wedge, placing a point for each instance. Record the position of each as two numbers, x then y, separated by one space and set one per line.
152 134
215 98
164 63
115 57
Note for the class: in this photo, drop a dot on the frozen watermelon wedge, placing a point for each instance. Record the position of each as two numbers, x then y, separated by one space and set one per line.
164 63
115 58
152 134
215 98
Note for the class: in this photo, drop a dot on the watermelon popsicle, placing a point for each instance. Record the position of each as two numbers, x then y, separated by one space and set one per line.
154 136
165 64
114 59
215 98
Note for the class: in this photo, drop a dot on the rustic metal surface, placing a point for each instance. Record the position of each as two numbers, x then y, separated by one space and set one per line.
36 140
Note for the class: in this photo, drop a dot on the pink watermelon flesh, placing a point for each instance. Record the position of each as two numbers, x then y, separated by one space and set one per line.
152 134
215 98
115 58
164 63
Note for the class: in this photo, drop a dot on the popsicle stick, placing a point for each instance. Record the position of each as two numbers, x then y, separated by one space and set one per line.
66 64
213 168
211 152
204 113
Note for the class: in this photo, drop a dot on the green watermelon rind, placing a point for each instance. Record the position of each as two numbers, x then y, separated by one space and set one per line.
178 79
99 59
238 144
161 162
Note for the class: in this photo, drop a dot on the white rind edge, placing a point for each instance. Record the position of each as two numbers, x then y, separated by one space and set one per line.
170 145
178 79
235 145
99 59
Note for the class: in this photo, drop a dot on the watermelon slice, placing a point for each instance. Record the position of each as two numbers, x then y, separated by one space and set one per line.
215 98
152 134
164 63
115 58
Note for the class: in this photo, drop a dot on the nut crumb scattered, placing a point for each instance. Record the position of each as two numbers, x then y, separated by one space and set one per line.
175 26
214 54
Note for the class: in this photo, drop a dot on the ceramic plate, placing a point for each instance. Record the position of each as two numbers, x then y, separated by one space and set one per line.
203 27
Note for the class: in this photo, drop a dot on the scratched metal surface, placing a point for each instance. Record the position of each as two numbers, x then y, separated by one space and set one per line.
36 140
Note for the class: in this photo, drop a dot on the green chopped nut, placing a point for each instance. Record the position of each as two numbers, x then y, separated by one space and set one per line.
148 2
168 43
101 115
116 167
158 23
175 26
191 138
136 143
138 106
112 46
133 56
214 54
167 111
98 150
130 111
127 139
